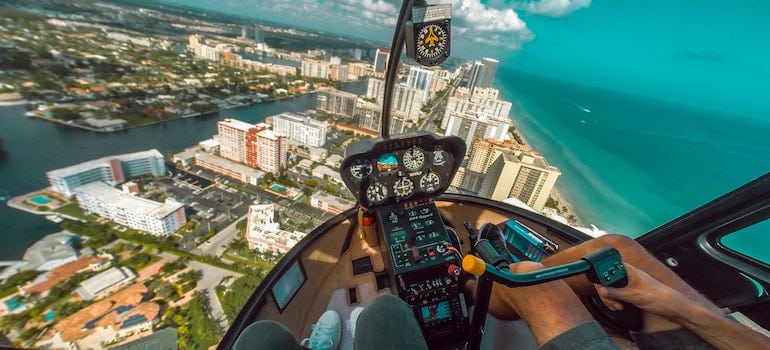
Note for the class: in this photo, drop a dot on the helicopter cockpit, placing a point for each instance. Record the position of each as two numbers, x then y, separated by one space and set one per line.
397 179
405 237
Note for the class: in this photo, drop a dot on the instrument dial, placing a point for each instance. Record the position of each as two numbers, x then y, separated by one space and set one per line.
413 159
439 157
376 192
429 182
404 187
360 169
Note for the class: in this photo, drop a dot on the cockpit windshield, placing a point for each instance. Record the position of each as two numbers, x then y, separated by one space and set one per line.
158 158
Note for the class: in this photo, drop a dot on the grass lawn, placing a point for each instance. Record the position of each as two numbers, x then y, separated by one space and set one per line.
73 210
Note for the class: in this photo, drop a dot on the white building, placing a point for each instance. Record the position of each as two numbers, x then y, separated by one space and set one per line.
316 69
478 103
108 169
138 213
525 176
271 151
106 282
421 79
304 130
405 99
264 234
326 173
232 136
52 251
466 126
329 203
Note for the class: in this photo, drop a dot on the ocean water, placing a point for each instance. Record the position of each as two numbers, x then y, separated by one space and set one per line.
630 164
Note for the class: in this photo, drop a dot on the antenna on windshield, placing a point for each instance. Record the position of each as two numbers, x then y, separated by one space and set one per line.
427 29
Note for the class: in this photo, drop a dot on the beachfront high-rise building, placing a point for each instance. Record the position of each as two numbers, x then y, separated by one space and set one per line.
469 125
481 154
237 140
421 79
108 169
369 117
381 61
525 176
478 70
405 99
259 35
138 213
271 151
490 68
336 101
302 129
477 104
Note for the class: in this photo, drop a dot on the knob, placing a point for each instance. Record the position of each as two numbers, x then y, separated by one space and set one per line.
454 270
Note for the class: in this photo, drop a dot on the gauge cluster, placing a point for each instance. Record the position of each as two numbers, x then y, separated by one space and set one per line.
407 167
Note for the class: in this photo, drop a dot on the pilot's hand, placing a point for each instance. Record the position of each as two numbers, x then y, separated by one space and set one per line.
645 293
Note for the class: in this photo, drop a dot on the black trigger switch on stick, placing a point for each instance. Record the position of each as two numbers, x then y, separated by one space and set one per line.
607 268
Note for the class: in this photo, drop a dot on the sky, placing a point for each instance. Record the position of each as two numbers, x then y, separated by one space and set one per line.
712 54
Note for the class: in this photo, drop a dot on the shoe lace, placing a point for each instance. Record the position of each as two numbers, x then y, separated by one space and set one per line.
320 338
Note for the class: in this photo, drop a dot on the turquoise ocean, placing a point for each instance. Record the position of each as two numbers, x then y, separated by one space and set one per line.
629 163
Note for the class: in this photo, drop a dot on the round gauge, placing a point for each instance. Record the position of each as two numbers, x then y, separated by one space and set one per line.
404 187
414 158
376 192
429 182
439 157
360 169
431 41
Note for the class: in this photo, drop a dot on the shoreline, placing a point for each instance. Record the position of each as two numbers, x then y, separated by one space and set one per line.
558 192
184 116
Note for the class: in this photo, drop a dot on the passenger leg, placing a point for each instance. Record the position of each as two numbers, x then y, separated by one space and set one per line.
553 312
388 323
266 334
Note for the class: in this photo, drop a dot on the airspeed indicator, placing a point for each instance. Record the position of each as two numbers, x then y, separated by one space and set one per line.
429 182
413 159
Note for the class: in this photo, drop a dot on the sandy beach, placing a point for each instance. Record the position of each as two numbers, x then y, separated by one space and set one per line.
565 207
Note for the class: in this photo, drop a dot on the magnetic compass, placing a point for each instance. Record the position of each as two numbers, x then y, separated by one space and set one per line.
432 41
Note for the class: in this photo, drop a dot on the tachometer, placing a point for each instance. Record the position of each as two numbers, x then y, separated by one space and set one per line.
376 192
429 182
404 187
360 169
414 158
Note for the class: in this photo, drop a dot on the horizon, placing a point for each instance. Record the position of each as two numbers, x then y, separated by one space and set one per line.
675 54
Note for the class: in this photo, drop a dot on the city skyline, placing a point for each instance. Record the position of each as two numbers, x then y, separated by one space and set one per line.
672 52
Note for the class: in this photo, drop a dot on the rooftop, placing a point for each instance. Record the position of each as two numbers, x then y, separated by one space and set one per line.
270 134
300 119
236 124
105 193
92 286
102 162
229 165
61 273
53 247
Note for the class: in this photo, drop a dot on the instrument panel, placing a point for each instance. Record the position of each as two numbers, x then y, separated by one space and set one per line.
412 166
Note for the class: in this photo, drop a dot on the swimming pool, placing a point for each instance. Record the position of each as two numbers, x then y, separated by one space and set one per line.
40 199
277 187
13 304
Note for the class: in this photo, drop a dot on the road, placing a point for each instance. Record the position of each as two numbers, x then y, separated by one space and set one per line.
218 244
211 277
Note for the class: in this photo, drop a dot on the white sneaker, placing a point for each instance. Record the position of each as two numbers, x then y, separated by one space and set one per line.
326 332
353 319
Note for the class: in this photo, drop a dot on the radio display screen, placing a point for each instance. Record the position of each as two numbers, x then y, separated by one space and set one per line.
436 312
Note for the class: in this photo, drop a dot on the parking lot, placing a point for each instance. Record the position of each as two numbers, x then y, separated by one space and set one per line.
213 207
